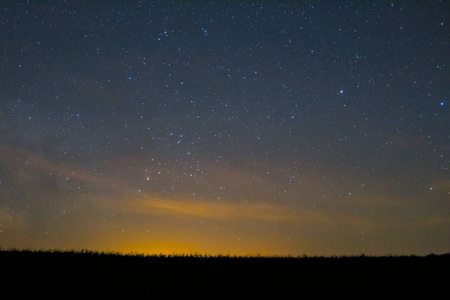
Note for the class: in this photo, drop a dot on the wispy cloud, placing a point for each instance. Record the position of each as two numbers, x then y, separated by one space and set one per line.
10 219
209 209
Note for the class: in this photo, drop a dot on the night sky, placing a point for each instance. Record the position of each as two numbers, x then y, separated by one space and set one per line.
226 127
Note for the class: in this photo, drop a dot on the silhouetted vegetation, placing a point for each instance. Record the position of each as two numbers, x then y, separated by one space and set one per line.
224 272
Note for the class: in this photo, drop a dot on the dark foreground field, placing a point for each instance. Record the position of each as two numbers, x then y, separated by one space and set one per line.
71 273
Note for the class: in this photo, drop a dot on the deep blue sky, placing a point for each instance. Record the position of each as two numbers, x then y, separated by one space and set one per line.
242 127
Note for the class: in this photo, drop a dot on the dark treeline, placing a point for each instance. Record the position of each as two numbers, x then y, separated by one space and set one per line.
194 272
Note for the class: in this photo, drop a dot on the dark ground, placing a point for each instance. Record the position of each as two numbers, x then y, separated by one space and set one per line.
125 276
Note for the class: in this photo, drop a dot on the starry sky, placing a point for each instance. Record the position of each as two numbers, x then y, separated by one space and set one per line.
226 127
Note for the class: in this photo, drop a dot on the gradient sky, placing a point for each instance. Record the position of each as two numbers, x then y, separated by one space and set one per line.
226 127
